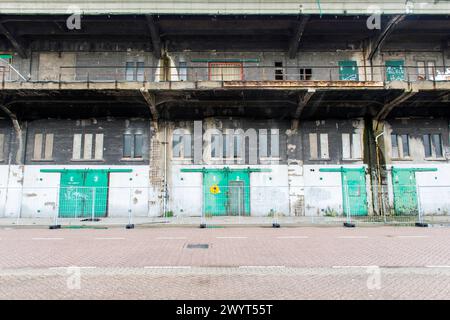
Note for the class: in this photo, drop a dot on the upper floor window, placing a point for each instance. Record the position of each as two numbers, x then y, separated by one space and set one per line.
43 146
351 146
226 71
182 67
181 144
305 73
134 71
432 144
318 146
399 146
426 70
279 71
133 145
87 146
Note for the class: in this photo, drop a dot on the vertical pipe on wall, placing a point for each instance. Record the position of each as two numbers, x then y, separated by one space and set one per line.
364 62
19 153
165 169
380 195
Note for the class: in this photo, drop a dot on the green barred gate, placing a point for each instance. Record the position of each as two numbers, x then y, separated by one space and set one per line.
83 192
226 191
354 193
405 190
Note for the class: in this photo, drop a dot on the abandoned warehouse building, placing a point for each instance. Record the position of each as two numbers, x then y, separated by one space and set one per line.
310 114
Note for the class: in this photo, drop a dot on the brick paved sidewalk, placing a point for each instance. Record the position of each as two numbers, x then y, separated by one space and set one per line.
237 263
226 283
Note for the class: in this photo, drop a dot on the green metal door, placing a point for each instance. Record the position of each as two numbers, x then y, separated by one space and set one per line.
84 191
239 193
226 192
215 190
71 194
222 189
405 191
236 197
348 70
354 192
96 188
395 70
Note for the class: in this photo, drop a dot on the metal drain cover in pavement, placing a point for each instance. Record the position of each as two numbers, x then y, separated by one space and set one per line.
198 246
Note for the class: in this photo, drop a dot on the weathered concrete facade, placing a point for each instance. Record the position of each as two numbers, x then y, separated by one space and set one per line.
300 115
84 65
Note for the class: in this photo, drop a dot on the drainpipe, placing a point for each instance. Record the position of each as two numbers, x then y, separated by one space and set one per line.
380 202
19 160
165 169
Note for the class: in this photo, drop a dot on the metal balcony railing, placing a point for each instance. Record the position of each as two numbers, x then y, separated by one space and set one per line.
234 72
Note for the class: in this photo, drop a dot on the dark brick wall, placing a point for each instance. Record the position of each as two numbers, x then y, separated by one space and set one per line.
334 129
63 130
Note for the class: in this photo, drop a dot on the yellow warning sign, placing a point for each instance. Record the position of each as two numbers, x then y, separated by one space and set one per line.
214 189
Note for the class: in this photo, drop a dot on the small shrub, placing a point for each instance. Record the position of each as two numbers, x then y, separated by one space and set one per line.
168 214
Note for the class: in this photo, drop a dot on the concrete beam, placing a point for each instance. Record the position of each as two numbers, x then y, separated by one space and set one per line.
387 108
15 41
383 35
297 37
150 98
441 98
155 36
207 7
17 129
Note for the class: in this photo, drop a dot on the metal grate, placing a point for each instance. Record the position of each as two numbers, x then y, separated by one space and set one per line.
198 246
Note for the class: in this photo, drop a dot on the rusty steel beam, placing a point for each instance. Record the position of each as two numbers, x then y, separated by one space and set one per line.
302 102
154 35
150 99
297 37
15 41
387 108
301 83
383 35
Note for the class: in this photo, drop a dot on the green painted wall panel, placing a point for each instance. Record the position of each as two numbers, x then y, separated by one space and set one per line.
348 70
395 70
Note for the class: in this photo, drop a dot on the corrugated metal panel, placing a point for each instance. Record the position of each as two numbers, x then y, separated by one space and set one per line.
221 7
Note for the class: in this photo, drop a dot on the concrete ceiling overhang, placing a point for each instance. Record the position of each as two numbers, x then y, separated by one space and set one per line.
237 102
427 103
206 32
38 104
